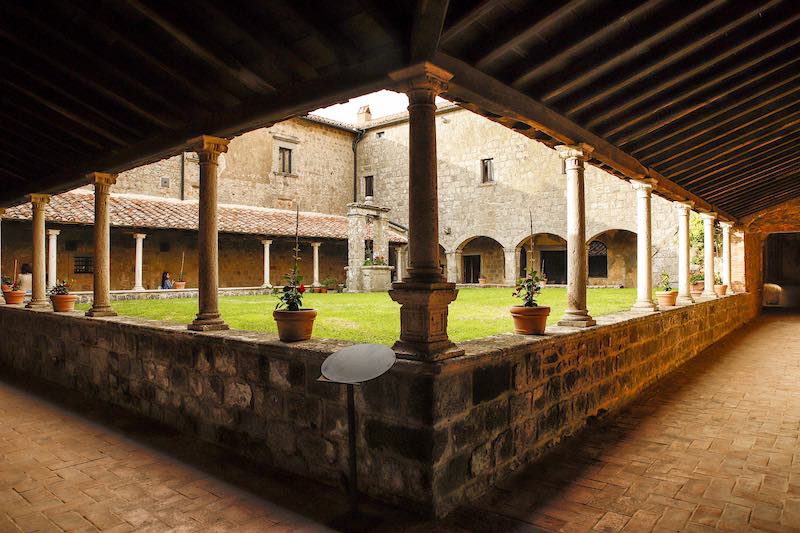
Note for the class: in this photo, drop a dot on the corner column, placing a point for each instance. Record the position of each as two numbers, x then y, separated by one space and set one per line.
644 245
52 257
511 264
576 314
315 247
726 255
101 297
38 293
137 270
454 259
208 318
708 253
400 253
266 243
424 295
684 294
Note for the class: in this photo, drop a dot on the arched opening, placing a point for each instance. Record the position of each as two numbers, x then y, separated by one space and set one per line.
612 258
549 257
482 258
782 270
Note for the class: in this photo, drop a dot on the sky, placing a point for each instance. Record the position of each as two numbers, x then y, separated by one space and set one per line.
381 103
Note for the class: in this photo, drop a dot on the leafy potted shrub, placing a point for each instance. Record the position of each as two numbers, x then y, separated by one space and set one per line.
294 322
696 284
666 295
529 318
11 292
180 280
6 284
720 289
62 300
329 284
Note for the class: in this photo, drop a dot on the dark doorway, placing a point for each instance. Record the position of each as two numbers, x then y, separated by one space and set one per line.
523 262
782 270
554 266
472 268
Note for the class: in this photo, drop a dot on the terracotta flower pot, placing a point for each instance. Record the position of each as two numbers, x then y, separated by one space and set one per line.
530 320
323 290
721 290
481 281
696 289
178 285
294 325
666 298
14 297
63 302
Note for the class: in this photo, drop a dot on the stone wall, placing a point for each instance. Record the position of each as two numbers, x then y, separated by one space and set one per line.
241 257
430 435
527 178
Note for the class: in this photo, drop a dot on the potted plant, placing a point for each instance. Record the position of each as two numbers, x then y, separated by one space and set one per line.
62 300
720 289
180 281
7 283
666 295
529 318
481 280
696 284
329 284
11 292
294 322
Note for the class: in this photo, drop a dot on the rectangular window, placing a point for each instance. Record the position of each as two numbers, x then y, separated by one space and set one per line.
84 265
487 171
165 182
380 134
285 160
369 183
368 249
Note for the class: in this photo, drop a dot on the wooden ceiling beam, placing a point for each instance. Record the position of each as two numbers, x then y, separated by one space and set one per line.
744 175
773 193
41 121
426 29
766 174
474 15
755 207
13 125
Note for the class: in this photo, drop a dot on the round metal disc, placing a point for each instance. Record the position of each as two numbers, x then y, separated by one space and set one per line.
359 363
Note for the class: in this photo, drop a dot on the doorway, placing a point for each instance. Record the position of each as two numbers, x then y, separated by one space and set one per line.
472 268
554 266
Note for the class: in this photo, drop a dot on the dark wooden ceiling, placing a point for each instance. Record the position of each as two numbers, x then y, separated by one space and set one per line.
704 95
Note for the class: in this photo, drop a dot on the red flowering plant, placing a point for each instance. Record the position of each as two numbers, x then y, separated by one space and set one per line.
292 297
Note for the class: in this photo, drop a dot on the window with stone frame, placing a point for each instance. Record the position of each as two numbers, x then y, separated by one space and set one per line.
598 260
487 170
369 186
83 265
285 160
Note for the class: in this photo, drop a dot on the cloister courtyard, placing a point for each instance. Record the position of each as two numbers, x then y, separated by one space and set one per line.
372 317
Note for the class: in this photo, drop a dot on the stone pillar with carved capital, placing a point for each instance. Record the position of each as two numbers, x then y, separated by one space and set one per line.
39 283
708 254
424 295
266 243
726 255
315 247
101 297
208 151
576 314
137 269
684 292
52 257
644 246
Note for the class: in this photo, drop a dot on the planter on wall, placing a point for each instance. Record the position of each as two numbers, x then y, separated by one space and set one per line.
529 320
14 297
720 290
179 285
481 281
696 289
666 298
294 325
63 302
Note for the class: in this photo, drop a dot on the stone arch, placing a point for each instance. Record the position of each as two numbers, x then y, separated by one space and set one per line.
481 257
549 256
618 265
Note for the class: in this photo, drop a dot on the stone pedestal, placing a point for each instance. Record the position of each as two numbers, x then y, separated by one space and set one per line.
39 282
101 297
376 278
423 319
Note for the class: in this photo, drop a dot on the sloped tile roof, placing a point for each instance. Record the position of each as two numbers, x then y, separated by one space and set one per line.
135 211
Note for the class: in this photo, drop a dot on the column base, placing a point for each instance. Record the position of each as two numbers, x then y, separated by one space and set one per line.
577 319
209 322
644 307
684 300
140 288
423 320
101 311
39 304
266 285
709 296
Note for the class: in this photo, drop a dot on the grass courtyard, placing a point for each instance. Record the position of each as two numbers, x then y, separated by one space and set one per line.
374 317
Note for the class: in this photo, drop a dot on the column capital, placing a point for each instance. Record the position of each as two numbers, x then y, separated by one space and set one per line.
54 232
102 178
2 211
316 244
266 242
139 236
725 224
580 151
709 216
684 207
423 80
39 199
645 185
206 144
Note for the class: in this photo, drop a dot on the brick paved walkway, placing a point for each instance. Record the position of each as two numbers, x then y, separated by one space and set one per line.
713 446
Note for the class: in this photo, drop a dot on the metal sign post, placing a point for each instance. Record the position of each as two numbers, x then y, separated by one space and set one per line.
352 366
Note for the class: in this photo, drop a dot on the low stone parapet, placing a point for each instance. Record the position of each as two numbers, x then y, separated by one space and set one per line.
85 297
430 435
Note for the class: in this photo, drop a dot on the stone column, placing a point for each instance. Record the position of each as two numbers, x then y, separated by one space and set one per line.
137 269
401 261
52 257
708 250
577 255
266 243
315 247
644 246
684 293
454 260
38 289
511 265
208 150
726 255
2 212
101 297
424 295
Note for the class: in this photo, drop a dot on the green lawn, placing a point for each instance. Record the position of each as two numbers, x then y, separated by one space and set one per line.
374 317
